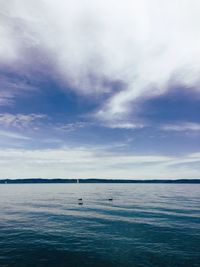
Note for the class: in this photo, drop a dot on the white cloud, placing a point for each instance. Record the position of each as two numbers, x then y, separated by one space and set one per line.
90 162
143 43
11 135
125 125
188 126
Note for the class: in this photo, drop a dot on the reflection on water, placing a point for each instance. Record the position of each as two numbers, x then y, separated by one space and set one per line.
145 225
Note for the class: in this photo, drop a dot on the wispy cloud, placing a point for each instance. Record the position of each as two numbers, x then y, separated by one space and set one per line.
12 87
12 135
19 120
124 125
187 126
70 127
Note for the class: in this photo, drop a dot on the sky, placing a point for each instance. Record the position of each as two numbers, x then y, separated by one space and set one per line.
100 89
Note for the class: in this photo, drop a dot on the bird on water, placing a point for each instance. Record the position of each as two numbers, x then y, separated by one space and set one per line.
80 201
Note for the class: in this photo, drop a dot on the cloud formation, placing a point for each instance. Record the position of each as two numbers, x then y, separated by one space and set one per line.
93 163
19 120
182 127
99 88
11 135
143 44
10 88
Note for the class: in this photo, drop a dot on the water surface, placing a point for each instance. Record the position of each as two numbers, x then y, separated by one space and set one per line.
151 225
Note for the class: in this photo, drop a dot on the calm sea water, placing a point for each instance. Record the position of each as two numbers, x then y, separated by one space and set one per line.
145 225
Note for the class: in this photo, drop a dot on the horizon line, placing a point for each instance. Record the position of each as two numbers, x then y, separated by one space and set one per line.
96 180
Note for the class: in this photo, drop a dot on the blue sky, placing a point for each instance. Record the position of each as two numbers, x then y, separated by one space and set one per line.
91 92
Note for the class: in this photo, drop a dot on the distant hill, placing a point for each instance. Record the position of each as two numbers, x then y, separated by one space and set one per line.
124 181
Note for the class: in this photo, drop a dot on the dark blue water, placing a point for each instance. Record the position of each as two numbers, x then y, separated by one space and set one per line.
145 225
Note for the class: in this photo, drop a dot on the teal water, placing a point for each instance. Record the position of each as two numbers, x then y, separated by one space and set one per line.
151 225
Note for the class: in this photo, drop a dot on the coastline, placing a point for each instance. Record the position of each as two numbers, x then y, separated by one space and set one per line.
96 180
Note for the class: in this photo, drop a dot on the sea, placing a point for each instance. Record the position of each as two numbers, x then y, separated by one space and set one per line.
144 225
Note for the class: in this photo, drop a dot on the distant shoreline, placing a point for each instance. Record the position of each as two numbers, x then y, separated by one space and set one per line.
99 181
